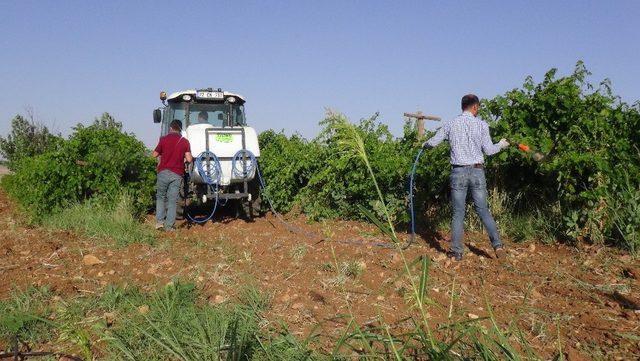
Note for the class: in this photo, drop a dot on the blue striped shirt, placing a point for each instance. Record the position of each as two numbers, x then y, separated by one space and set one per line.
469 138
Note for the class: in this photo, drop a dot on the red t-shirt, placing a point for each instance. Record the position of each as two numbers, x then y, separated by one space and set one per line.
172 148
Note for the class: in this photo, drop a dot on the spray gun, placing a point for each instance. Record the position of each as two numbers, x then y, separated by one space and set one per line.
537 156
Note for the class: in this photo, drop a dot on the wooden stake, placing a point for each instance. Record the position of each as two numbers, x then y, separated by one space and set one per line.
420 118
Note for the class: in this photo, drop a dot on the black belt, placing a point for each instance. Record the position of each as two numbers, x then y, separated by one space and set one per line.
477 165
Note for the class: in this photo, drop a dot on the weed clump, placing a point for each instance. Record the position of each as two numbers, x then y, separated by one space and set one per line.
104 219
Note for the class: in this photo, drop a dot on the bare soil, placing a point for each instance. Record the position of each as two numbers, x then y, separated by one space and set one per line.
588 297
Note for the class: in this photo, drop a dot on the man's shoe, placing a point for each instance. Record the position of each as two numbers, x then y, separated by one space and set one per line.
456 256
159 225
501 254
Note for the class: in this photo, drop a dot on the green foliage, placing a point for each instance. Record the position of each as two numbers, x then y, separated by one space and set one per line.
27 139
582 190
104 219
326 181
624 210
124 323
590 138
98 160
24 316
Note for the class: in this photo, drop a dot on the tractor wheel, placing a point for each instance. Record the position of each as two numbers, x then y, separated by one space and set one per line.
251 209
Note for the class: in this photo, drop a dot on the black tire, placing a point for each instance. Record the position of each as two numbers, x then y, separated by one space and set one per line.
251 208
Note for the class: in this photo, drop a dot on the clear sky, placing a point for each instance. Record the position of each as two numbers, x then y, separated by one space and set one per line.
72 60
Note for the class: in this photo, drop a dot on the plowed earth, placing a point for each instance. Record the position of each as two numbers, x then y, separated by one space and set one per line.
588 297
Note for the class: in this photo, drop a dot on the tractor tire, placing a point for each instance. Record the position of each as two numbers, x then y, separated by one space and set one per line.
252 208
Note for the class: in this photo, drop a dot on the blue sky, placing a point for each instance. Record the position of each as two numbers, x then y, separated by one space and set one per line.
72 60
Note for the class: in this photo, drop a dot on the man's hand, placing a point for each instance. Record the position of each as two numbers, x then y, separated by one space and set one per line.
426 145
503 143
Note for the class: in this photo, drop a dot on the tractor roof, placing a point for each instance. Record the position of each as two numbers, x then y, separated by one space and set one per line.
175 95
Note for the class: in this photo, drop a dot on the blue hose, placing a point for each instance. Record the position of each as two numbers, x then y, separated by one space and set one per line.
413 217
211 174
245 169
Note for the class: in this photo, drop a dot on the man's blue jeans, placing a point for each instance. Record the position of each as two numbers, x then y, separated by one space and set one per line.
168 189
462 180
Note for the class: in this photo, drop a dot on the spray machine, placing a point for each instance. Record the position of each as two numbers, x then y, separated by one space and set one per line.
224 147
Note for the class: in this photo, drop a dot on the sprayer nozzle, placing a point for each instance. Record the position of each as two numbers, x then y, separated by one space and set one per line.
523 147
537 156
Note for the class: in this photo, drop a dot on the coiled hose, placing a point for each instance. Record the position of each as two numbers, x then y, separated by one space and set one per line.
243 164
209 169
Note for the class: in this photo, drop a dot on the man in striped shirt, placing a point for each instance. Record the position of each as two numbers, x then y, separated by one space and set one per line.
470 140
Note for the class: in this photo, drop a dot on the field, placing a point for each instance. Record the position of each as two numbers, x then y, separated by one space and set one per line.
83 273
583 301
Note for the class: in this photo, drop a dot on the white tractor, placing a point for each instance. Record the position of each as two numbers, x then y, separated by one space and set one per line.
224 148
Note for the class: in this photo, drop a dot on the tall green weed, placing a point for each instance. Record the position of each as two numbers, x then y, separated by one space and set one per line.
104 219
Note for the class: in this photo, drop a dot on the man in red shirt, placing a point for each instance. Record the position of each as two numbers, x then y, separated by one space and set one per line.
172 149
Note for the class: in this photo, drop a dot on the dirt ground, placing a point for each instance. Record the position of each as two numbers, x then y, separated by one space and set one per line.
587 297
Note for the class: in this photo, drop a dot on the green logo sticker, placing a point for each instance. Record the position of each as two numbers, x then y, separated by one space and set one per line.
224 138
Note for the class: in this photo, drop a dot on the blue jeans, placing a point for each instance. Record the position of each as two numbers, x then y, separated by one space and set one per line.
462 180
168 188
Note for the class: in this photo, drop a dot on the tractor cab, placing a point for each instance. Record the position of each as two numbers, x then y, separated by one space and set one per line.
213 107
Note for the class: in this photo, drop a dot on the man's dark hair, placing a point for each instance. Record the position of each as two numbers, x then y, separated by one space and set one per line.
176 125
203 115
469 100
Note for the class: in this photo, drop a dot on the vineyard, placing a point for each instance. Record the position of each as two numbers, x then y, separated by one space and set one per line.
83 274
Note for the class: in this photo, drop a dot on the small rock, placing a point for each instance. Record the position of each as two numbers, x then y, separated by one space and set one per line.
285 298
297 306
472 316
532 248
111 272
100 274
440 257
380 298
200 278
611 304
91 260
109 318
219 299
144 309
573 355
535 294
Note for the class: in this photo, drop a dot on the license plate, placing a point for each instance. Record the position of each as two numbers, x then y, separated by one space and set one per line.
209 95
224 138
